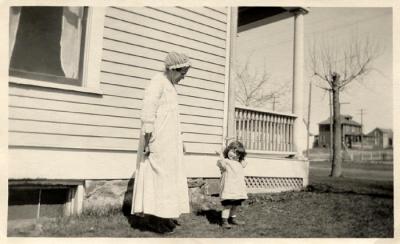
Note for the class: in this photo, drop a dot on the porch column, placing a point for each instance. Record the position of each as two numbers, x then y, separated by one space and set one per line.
300 131
231 124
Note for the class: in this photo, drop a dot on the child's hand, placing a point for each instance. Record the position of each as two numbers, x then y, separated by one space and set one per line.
221 165
220 153
244 163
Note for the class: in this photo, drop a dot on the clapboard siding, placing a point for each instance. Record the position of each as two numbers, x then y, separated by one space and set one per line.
190 138
71 106
170 15
132 92
208 13
139 51
159 35
43 103
123 120
196 18
209 148
73 118
135 43
60 95
199 111
137 82
194 119
63 128
70 141
150 66
30 129
131 38
139 70
221 11
211 130
151 23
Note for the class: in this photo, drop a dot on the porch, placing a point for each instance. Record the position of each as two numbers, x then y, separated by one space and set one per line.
268 137
275 141
272 164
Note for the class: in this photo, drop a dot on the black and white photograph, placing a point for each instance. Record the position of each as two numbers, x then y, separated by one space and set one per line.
200 120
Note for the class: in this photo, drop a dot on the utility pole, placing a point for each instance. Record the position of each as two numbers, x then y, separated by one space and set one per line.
274 102
308 120
362 131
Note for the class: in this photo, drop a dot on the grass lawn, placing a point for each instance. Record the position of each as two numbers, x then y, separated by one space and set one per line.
328 207
386 166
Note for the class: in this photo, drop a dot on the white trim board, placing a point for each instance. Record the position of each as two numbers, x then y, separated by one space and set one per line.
47 163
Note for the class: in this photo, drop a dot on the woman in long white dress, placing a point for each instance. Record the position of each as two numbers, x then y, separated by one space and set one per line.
160 186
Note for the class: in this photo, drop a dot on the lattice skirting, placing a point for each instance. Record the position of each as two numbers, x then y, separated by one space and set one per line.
272 184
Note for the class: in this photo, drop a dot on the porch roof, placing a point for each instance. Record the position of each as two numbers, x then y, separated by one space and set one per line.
254 16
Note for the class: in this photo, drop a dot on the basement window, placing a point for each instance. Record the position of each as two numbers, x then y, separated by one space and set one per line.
36 201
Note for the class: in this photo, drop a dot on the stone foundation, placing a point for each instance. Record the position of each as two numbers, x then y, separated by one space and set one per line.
104 196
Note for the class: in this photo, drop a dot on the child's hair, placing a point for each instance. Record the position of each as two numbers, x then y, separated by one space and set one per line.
239 149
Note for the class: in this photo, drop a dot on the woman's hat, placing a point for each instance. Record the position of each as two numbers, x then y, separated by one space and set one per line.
176 60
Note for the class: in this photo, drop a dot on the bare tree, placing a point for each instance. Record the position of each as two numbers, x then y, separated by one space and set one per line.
254 88
338 64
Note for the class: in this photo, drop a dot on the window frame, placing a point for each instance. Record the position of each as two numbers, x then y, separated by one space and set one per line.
91 58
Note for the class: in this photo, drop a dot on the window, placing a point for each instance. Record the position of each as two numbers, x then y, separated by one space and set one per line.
47 43
35 203
56 47
32 199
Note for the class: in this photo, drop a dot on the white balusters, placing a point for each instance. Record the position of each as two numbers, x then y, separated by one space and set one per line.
264 130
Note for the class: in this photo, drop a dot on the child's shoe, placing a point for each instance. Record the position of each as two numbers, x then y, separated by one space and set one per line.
234 221
225 224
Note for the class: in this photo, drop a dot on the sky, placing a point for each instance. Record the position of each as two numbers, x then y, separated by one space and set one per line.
270 48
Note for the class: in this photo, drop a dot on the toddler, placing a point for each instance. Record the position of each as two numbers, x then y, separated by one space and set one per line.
233 187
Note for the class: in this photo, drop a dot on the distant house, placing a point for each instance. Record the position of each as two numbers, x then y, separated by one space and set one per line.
76 83
351 132
381 138
316 141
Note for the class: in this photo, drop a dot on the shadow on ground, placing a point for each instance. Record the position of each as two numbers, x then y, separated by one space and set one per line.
325 188
152 223
144 222
213 216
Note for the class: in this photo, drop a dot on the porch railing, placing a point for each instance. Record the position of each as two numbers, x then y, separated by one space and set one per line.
262 130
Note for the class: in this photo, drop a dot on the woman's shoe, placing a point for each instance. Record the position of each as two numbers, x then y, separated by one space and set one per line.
225 224
234 221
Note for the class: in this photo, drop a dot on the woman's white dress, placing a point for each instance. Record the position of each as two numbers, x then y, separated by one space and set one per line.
160 186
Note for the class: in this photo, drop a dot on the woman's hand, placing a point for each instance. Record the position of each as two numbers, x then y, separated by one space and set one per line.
146 151
146 148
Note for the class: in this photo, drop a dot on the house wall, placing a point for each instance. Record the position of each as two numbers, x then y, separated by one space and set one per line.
351 129
324 136
324 133
67 134
385 140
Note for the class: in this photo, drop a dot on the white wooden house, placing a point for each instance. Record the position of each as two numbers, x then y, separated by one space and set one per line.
75 96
